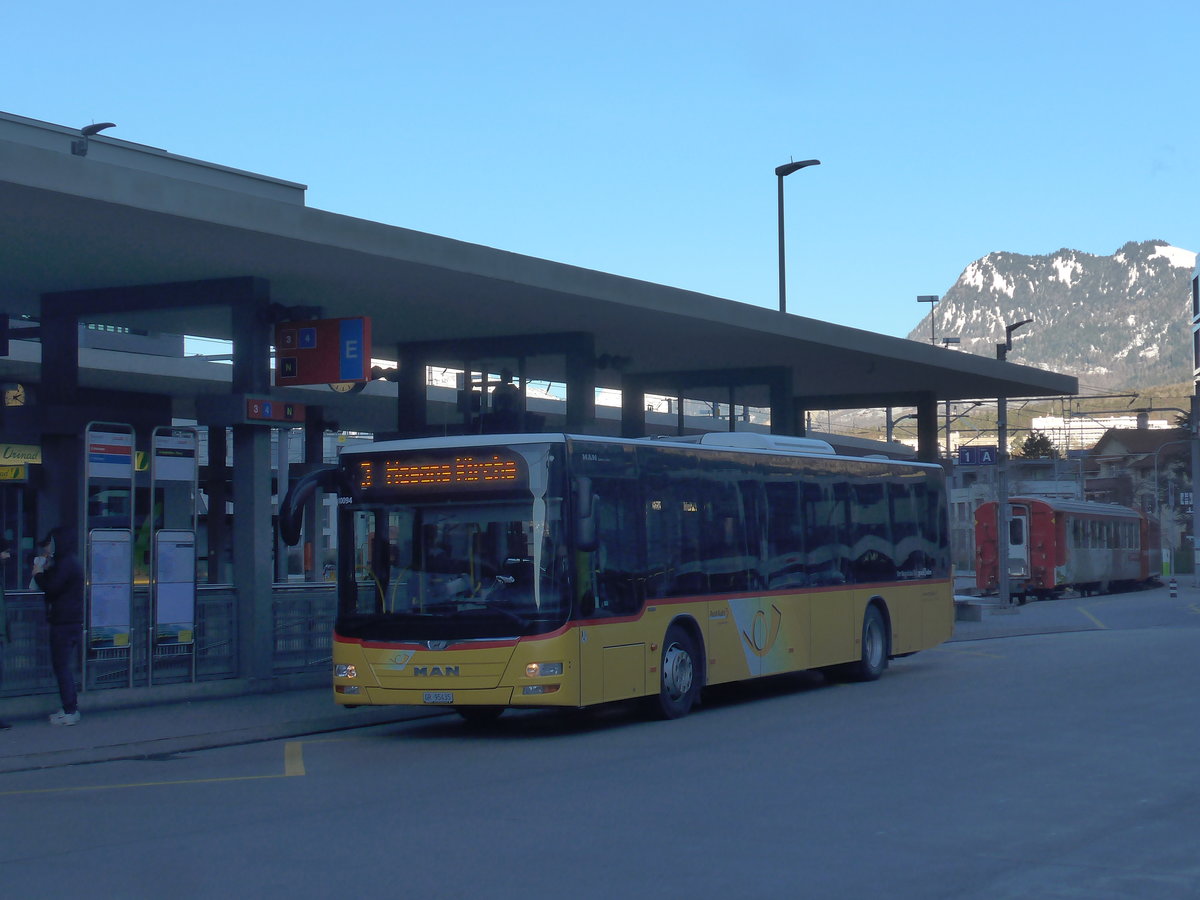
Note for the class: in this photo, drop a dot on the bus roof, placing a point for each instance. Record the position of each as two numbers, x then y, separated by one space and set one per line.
1081 507
745 441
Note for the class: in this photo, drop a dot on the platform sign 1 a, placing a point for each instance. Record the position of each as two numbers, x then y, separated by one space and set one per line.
977 455
323 351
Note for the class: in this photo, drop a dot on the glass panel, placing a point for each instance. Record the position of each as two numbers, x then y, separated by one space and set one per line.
495 562
1016 532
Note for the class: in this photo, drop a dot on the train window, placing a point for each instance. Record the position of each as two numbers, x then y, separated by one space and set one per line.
1016 532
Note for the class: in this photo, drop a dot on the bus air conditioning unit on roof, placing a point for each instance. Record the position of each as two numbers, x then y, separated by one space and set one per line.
752 440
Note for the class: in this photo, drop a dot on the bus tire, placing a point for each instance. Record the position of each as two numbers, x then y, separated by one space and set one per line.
874 658
479 716
679 674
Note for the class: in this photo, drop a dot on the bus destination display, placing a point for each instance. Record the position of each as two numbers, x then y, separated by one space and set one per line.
462 472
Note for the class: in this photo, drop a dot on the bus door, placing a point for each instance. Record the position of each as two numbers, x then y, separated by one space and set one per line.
613 652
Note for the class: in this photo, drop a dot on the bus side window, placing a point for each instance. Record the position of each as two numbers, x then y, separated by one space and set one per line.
617 568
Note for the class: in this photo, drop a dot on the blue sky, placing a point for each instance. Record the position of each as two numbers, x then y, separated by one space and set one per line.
641 138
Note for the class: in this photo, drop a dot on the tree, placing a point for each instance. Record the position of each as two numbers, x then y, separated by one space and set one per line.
1038 446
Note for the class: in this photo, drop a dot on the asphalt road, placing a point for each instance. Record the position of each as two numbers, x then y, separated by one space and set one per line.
1051 754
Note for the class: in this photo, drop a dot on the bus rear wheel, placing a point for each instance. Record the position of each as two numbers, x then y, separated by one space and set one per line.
679 674
874 657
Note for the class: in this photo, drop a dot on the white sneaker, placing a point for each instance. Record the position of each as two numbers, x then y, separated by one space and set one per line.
63 718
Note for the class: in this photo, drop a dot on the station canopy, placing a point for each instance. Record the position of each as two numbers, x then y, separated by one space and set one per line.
126 214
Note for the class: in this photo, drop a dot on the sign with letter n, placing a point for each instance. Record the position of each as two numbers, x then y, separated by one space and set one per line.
323 351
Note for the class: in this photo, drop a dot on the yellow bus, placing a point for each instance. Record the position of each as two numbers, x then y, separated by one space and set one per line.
495 571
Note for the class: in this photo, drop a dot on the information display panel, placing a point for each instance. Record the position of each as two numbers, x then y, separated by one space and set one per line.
110 587
175 580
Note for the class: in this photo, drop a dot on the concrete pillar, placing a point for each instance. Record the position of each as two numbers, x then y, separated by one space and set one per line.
252 549
581 386
217 489
314 449
927 428
253 542
633 408
62 459
412 396
782 413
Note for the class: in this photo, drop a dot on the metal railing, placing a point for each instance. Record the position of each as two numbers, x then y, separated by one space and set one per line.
303 617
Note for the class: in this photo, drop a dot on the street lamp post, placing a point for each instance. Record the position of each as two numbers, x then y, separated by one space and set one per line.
1158 506
1003 507
782 172
932 300
947 342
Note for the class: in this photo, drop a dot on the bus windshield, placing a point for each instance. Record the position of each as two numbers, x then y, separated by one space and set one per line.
458 571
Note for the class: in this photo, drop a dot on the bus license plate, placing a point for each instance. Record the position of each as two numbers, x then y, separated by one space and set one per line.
439 697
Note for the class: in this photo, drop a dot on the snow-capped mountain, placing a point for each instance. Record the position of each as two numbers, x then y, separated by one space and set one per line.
1120 321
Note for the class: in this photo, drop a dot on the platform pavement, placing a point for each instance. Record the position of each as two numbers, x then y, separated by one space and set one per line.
166 725
160 729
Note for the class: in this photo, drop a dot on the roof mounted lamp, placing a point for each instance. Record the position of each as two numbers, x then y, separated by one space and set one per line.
80 148
1002 349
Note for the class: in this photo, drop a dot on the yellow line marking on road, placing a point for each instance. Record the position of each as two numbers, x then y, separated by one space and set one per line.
969 652
293 766
293 758
139 784
1099 624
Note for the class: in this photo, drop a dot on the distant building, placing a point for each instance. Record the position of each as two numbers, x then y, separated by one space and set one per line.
1079 432
1146 470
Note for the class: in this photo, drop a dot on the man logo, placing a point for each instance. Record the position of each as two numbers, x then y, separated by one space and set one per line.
419 671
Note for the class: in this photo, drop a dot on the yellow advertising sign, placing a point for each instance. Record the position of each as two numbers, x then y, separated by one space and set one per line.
12 473
20 454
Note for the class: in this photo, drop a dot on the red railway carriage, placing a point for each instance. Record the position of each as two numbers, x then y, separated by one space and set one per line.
1054 544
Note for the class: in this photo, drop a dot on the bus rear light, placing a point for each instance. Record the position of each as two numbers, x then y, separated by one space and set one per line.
342 670
542 670
539 689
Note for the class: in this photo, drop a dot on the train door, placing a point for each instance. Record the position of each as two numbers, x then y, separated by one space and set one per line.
1018 545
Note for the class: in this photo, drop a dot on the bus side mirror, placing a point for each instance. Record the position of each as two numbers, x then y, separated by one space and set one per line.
291 510
585 516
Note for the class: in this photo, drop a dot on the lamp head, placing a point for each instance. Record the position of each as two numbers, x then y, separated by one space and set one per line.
789 168
80 147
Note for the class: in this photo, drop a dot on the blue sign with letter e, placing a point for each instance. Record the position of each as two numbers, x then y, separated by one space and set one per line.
351 351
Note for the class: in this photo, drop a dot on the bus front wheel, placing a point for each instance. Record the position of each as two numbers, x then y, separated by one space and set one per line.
679 674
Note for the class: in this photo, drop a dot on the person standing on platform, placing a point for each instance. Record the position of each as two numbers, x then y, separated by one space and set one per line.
59 575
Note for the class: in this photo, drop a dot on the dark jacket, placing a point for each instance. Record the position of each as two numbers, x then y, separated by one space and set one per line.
62 584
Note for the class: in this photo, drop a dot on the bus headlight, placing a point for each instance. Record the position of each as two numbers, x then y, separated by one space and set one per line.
542 670
342 670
